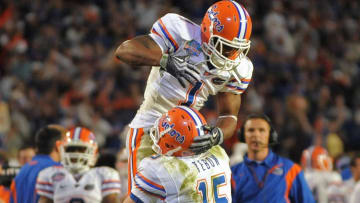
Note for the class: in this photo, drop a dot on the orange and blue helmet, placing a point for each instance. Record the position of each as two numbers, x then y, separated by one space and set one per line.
174 132
78 150
225 34
316 157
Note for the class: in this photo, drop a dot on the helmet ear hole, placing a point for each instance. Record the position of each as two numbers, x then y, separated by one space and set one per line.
168 145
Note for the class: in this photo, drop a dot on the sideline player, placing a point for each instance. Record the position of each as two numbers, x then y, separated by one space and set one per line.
75 181
175 174
196 62
324 182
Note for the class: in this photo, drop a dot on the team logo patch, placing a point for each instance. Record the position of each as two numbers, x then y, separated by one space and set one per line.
193 48
173 133
278 171
89 187
218 81
213 17
58 176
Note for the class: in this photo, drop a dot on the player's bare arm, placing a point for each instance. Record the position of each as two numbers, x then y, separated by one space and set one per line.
111 198
45 200
228 106
141 50
128 200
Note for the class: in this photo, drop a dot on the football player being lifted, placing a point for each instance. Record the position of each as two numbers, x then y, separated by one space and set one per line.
76 181
189 63
174 173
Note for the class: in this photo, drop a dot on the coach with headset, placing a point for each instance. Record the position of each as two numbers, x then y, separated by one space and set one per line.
264 176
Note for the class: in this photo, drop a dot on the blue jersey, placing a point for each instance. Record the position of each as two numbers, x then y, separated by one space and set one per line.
275 179
23 186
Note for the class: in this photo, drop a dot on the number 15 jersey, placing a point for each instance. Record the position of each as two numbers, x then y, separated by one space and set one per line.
202 178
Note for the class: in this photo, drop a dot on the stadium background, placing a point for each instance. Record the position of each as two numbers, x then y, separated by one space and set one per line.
57 66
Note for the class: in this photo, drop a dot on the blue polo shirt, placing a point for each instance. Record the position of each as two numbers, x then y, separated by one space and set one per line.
276 179
23 186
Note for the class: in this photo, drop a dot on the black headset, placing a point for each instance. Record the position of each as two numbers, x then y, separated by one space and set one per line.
273 139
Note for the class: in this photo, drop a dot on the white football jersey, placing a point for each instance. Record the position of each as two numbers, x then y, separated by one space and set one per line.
202 178
324 185
60 185
180 37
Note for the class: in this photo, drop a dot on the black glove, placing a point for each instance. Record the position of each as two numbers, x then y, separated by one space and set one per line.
213 136
180 69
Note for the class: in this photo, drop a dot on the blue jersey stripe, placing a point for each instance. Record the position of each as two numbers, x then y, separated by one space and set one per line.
149 184
135 199
163 31
192 93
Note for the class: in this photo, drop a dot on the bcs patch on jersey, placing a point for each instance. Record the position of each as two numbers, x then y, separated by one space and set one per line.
58 176
192 48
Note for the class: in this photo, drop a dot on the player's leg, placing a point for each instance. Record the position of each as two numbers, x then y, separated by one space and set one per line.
139 146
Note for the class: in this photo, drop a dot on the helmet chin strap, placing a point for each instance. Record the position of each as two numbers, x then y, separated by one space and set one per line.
169 153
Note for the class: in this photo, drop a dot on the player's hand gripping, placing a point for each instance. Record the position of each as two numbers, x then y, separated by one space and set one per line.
180 69
213 136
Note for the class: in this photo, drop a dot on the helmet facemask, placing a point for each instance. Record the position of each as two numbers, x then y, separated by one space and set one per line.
225 54
78 157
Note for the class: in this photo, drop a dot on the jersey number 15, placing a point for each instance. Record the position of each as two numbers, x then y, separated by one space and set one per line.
217 181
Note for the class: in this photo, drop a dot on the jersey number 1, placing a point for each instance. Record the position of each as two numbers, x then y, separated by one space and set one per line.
217 181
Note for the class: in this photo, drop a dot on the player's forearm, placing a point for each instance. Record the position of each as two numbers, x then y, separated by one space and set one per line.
228 105
111 198
227 125
45 200
128 200
141 50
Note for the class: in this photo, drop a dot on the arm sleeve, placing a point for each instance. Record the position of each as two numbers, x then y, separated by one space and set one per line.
44 185
170 31
241 77
147 185
300 191
110 181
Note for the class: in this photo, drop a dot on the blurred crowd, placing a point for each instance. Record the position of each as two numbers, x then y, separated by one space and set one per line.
57 66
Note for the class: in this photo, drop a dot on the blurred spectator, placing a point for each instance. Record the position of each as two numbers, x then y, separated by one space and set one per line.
355 170
343 165
4 187
25 154
238 153
122 167
47 154
5 121
106 159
